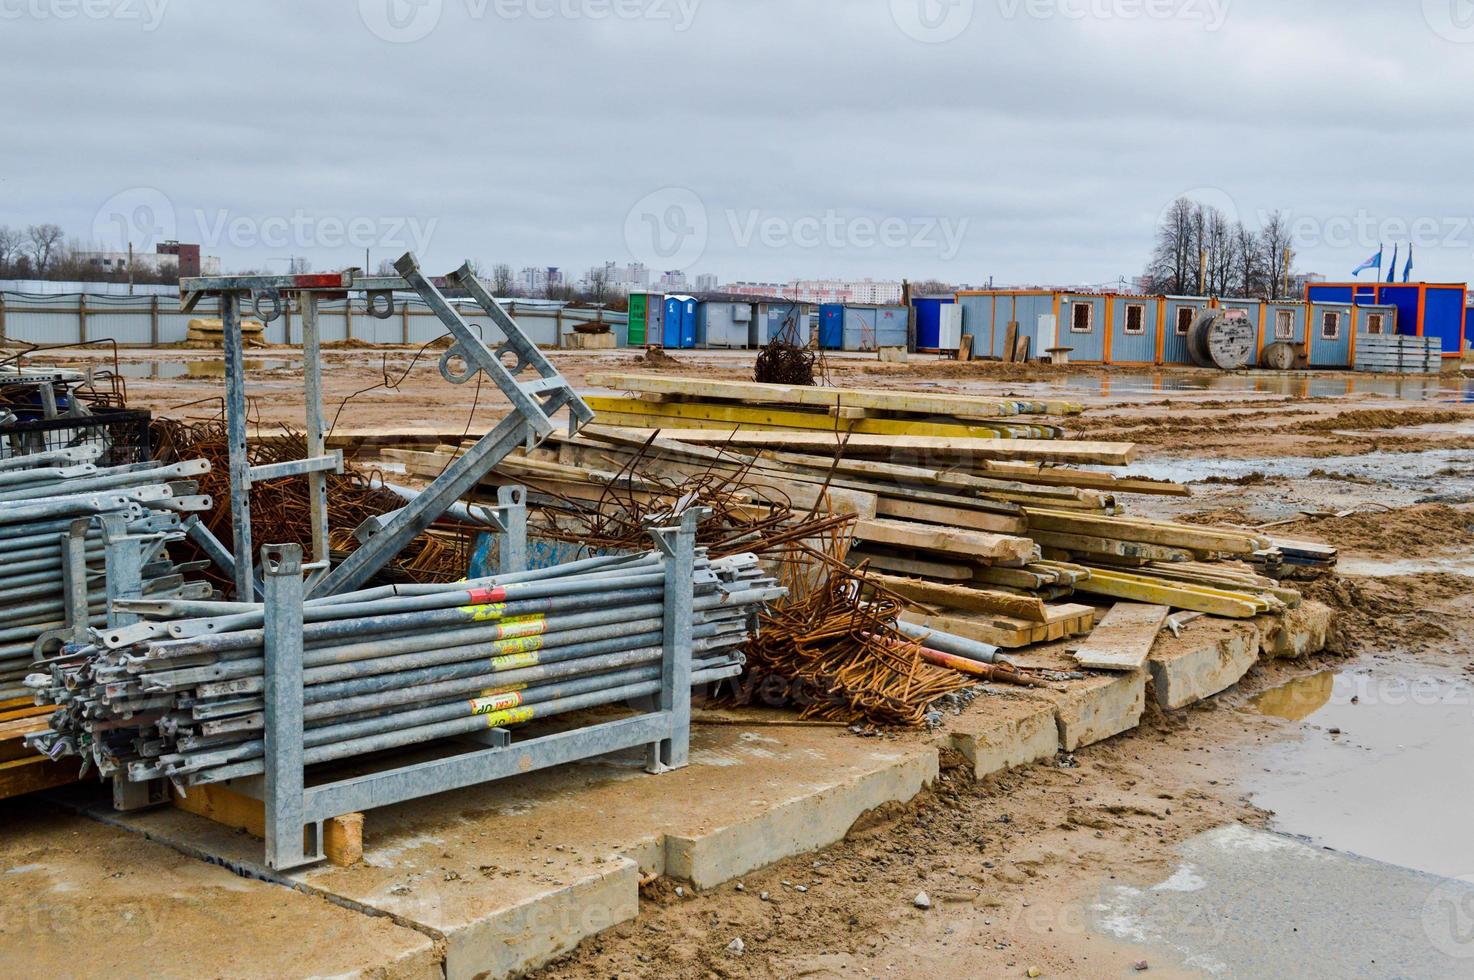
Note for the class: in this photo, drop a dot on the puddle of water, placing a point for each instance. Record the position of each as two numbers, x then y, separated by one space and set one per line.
1297 700
1327 384
198 368
1395 785
1421 469
1378 568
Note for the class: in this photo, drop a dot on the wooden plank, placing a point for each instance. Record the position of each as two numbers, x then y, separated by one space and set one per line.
1036 450
1006 631
1177 595
1189 537
35 772
975 545
976 520
1010 341
342 837
1090 545
963 597
1124 638
749 392
932 569
619 411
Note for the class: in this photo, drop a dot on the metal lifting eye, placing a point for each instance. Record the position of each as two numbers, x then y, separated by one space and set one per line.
381 304
276 305
511 360
457 353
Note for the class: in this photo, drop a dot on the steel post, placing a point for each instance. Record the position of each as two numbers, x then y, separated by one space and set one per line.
240 464
317 481
674 700
285 822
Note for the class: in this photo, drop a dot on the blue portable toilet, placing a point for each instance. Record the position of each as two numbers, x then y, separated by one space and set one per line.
831 326
678 328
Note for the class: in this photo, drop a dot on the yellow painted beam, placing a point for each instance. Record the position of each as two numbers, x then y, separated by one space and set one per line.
770 417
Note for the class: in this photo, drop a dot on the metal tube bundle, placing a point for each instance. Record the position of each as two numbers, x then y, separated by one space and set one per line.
387 667
65 526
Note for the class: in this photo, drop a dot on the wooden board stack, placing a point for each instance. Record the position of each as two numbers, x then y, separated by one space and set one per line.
985 530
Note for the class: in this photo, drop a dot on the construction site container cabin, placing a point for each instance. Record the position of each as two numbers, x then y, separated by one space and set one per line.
1424 309
721 323
784 321
831 326
1134 322
1284 322
1081 326
929 320
869 327
986 315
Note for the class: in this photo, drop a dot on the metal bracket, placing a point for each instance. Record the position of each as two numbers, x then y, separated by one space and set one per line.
679 545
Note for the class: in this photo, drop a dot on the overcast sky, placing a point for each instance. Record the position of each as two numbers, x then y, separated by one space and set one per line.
1028 140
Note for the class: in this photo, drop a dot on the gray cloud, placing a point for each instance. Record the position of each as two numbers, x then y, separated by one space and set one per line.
1051 132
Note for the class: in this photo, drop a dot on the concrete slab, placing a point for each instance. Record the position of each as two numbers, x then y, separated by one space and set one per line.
81 899
1300 632
513 874
1089 710
1002 731
1210 656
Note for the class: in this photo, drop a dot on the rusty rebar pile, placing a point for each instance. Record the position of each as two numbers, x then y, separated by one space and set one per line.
832 649
281 512
786 364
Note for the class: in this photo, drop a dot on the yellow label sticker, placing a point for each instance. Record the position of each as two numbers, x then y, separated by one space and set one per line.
491 692
512 716
499 702
480 614
513 661
523 626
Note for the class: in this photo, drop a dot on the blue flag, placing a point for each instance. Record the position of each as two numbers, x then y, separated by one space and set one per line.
1407 270
1391 269
1375 262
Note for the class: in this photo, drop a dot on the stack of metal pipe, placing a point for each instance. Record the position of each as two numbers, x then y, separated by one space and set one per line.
180 694
41 497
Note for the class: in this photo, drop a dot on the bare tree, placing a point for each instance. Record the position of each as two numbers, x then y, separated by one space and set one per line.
10 245
501 279
932 287
598 284
386 268
1246 262
44 241
298 266
1278 254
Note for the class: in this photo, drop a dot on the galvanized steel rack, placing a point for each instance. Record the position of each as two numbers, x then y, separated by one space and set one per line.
536 390
295 812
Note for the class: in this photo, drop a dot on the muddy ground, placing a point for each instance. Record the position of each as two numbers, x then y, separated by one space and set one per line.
1383 468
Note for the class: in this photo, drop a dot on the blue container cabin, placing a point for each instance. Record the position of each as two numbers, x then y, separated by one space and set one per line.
1135 325
1424 309
929 321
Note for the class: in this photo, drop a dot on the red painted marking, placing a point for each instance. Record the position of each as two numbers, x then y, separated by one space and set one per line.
480 597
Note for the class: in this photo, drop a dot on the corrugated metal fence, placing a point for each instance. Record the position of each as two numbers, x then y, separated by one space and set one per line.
154 320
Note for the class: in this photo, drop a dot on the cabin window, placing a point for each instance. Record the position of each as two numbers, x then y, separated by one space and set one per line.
1284 324
1081 316
1135 319
1330 326
1375 322
1185 316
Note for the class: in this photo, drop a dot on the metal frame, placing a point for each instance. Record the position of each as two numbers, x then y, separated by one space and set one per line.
534 401
295 812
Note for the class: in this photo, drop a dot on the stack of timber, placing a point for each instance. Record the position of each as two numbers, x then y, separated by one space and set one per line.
22 770
688 403
999 537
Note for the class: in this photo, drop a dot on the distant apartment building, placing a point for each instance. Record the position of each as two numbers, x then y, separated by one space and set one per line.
673 280
706 283
183 256
823 290
535 279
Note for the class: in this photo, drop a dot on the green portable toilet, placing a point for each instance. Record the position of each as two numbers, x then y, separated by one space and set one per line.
638 306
